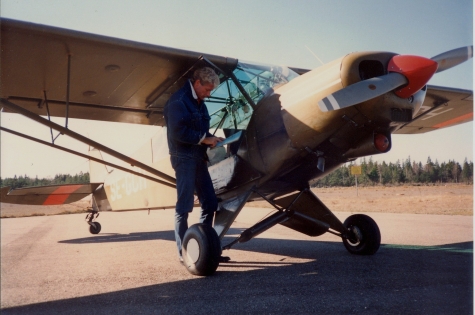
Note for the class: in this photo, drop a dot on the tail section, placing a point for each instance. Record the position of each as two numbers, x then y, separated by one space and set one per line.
97 171
60 194
47 195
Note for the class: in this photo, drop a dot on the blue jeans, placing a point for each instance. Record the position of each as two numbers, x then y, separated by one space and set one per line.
192 175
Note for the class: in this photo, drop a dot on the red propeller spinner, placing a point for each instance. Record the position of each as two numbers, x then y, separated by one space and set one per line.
418 71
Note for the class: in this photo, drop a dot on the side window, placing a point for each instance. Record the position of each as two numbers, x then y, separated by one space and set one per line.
229 109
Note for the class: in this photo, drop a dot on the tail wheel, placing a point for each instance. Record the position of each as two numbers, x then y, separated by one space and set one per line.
94 227
363 237
201 250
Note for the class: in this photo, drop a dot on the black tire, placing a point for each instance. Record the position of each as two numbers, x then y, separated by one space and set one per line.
201 250
364 237
95 227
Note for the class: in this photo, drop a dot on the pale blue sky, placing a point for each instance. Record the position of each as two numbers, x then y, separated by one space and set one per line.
275 32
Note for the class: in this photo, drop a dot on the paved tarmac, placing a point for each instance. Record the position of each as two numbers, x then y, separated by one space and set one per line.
52 265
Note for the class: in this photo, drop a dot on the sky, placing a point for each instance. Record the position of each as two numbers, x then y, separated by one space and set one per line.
283 32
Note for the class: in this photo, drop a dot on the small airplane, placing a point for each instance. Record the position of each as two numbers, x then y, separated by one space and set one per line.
284 126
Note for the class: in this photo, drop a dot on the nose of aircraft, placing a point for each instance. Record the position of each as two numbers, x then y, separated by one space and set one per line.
407 74
418 71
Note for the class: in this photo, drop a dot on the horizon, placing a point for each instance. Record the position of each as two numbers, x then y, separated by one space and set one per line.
50 177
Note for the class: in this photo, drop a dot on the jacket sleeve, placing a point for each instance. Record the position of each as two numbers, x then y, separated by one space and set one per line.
179 122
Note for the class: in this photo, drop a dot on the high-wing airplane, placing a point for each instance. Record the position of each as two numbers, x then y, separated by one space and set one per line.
285 126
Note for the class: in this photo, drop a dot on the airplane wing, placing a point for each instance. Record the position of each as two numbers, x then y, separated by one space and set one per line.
47 195
101 78
442 107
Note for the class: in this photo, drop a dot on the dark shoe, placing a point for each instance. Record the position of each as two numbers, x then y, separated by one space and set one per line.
224 259
181 260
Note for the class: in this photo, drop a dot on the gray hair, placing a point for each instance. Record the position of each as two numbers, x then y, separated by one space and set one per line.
206 75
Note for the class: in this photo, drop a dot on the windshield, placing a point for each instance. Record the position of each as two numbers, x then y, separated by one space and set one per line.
229 109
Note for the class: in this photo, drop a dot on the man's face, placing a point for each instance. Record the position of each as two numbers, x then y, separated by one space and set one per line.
203 91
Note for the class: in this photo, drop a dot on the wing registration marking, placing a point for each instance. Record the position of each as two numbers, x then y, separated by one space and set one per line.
433 113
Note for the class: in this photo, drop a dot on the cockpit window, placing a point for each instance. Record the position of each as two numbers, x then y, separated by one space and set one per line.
229 109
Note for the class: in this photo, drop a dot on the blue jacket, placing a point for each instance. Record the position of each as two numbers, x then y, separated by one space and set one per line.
187 122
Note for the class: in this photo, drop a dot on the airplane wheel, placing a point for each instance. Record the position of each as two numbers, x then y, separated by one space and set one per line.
201 250
95 227
365 237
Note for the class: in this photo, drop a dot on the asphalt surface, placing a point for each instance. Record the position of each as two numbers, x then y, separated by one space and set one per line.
52 265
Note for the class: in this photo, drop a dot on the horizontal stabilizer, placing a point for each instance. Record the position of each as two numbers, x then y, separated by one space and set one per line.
47 195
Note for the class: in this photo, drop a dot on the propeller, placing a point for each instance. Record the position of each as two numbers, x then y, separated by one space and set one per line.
452 58
362 91
406 71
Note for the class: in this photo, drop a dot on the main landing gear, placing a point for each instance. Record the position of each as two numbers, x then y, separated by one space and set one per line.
302 212
360 233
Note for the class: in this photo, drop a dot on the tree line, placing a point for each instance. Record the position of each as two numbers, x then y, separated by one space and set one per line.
59 179
373 173
406 172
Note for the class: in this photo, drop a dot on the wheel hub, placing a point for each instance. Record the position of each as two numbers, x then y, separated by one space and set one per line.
193 250
355 236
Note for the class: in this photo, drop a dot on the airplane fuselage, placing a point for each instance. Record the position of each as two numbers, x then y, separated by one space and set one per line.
288 140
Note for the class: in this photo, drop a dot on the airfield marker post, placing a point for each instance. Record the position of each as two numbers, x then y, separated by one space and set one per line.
356 170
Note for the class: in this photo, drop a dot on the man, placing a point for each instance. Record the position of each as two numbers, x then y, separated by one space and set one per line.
187 121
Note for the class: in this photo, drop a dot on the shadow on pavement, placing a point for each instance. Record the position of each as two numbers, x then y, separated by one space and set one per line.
397 280
117 237
134 237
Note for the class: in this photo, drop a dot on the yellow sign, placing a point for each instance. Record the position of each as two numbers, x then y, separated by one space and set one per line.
355 170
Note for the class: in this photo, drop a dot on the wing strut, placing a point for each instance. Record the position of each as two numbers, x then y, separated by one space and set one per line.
74 135
87 157
68 81
49 116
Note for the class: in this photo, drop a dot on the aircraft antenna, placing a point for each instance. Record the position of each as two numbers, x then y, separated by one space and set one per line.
314 55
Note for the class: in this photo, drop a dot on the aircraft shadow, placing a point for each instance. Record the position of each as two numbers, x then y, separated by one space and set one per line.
119 238
397 280
135 237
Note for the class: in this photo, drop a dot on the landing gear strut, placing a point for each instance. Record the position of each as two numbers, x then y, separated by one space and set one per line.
305 213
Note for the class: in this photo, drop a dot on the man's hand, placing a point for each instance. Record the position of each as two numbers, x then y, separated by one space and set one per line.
212 141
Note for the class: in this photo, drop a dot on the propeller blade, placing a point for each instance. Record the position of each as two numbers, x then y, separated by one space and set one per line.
362 91
452 58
